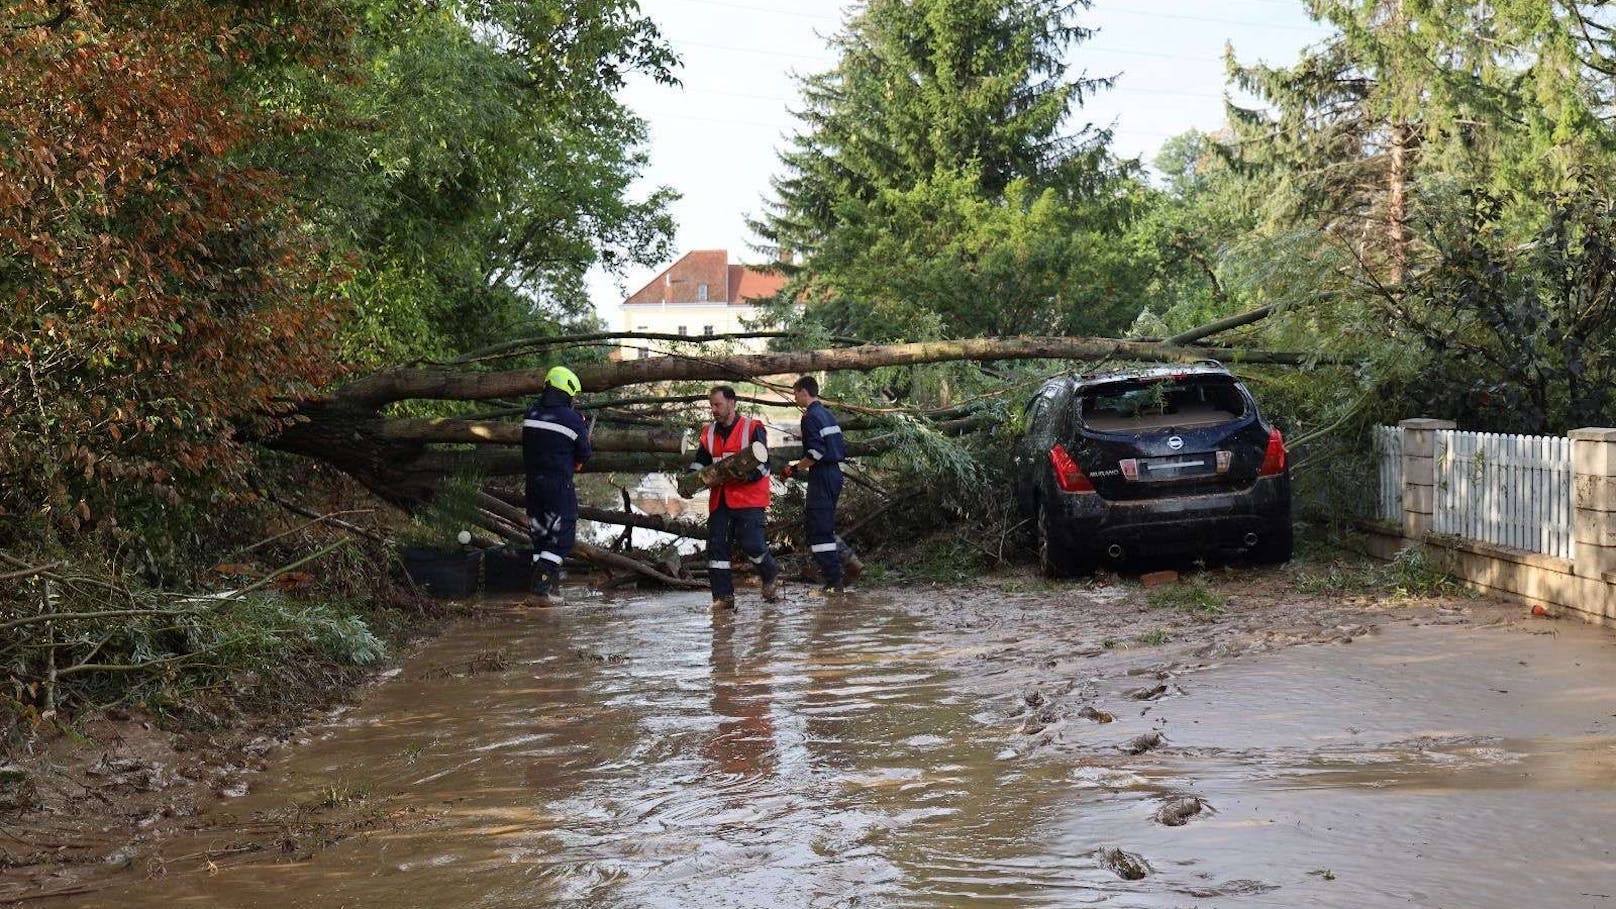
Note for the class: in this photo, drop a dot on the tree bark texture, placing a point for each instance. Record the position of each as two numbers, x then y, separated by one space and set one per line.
438 383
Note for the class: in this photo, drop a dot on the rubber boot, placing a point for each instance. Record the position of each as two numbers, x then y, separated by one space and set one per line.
546 592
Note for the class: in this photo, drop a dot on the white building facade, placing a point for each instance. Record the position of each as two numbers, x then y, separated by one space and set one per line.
700 294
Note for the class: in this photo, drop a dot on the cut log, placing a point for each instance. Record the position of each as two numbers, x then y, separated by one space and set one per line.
724 471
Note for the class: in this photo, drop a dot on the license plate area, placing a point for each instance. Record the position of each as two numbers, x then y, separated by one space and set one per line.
1173 467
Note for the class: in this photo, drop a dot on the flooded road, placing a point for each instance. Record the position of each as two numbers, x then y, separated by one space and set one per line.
941 747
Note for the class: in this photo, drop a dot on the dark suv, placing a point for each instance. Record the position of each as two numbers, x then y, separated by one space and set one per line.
1162 460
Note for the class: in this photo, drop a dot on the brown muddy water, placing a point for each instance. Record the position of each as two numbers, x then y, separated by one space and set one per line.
941 747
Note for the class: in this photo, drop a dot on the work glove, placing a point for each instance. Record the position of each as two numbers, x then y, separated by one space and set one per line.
788 470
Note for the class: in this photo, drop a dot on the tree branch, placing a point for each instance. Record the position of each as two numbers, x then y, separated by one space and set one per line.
1212 328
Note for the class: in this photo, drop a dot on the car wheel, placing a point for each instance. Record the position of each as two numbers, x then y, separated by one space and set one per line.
1055 559
1277 544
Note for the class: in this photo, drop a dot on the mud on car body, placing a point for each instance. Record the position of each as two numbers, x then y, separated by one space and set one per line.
1159 460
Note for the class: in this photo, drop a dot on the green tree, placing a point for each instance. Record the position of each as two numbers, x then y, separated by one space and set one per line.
207 210
1519 336
1411 95
1198 217
484 167
934 189
159 281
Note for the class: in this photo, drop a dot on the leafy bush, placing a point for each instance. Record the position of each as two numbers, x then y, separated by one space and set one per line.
1411 573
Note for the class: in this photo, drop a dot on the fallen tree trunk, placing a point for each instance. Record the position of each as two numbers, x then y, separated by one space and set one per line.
645 522
498 516
438 383
488 462
520 346
494 432
1221 325
621 518
395 458
608 440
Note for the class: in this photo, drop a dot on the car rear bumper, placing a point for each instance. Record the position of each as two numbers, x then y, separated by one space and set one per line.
1220 521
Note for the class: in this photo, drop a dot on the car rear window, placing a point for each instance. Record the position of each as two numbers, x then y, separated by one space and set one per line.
1156 403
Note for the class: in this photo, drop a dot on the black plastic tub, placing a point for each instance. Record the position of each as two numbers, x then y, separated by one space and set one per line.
508 570
442 572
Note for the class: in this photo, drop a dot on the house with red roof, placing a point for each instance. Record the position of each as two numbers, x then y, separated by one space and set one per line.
701 294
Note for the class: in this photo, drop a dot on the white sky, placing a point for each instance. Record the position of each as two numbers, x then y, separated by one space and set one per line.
714 138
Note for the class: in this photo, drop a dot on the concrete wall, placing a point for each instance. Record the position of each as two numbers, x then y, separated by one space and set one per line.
1584 585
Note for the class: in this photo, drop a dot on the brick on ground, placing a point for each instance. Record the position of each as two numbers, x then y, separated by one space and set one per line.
1159 578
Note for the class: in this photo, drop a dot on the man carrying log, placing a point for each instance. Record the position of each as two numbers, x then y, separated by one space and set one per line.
555 444
737 503
824 449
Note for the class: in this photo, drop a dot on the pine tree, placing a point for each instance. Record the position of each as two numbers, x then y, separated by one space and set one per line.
941 116
1416 94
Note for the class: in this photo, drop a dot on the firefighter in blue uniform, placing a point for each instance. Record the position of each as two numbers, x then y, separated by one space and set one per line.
824 449
555 445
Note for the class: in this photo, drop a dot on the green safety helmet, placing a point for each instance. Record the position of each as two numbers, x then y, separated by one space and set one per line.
565 379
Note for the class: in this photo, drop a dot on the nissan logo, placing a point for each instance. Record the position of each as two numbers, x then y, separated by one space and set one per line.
1175 443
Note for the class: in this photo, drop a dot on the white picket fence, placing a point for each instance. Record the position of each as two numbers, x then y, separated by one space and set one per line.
1507 490
1388 442
1510 490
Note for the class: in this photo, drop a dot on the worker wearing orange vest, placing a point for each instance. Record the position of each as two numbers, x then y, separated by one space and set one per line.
735 510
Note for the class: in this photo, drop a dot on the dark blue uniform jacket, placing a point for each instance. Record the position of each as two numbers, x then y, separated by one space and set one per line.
555 438
822 436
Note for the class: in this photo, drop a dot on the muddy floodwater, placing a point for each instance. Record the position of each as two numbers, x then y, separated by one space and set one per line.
1012 744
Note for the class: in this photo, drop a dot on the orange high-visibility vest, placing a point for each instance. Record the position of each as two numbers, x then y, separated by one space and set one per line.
754 494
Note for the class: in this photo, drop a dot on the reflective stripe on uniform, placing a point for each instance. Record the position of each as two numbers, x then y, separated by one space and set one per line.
550 557
822 547
552 427
758 560
694 465
709 437
830 431
718 564
816 455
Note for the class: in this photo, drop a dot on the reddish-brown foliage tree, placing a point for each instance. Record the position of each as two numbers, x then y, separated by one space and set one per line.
159 287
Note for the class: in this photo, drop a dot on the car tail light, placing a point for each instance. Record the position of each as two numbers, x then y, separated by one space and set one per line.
1273 462
1129 468
1225 458
1068 476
